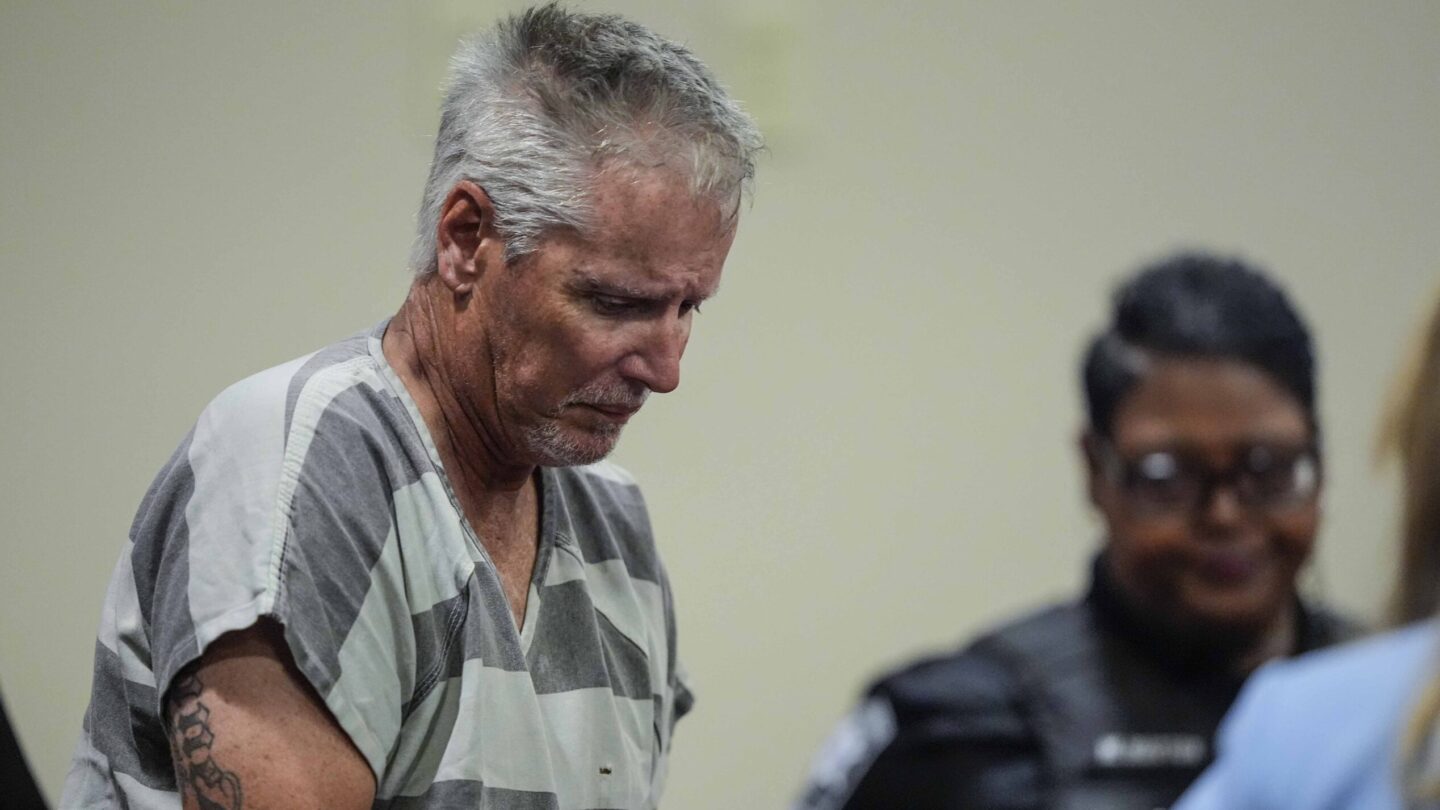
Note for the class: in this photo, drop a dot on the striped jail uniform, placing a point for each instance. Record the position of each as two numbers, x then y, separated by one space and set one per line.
312 493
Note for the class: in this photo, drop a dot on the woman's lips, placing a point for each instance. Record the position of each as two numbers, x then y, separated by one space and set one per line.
1227 567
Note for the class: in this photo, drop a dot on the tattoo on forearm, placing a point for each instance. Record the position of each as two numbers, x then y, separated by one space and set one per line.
190 744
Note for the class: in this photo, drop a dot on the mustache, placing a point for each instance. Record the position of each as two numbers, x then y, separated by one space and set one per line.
609 395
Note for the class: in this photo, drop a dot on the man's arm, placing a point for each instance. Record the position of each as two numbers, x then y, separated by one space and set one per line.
246 730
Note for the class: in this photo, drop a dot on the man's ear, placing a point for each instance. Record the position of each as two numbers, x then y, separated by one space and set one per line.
466 242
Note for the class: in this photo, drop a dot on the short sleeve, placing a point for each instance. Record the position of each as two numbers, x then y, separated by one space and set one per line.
342 583
282 507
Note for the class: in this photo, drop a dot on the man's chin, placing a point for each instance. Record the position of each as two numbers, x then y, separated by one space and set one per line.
568 447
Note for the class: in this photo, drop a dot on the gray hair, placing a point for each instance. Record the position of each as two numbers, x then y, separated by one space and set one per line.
538 104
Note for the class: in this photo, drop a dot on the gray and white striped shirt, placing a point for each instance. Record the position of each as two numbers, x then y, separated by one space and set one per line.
312 493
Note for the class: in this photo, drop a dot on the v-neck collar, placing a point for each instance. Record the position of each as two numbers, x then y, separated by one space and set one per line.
546 496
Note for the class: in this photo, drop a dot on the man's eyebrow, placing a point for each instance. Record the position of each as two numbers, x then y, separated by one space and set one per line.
585 281
588 282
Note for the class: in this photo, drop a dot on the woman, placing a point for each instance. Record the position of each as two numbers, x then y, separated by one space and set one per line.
1358 726
1203 457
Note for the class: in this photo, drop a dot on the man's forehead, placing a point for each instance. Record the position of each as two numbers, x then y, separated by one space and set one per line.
649 235
627 195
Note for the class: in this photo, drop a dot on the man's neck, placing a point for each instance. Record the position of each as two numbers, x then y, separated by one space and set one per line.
499 499
466 434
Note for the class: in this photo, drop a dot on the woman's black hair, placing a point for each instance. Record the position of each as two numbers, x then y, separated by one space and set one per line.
1197 305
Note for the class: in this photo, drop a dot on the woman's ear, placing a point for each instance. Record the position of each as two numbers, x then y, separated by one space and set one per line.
1090 445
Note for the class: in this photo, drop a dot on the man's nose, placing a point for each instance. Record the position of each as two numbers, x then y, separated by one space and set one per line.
655 362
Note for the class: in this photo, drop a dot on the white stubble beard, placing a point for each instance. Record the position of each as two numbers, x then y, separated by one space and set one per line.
554 447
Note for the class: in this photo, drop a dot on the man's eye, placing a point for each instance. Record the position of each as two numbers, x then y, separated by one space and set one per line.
611 305
686 307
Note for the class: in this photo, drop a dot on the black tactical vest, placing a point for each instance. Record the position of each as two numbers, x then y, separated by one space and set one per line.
1115 730
1112 714
1125 717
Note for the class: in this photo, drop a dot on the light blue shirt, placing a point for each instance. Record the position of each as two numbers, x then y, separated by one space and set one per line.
1322 731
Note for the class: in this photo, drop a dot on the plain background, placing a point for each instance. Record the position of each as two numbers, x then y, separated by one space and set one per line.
872 454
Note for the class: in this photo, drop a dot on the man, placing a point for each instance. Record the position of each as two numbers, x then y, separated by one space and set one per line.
1203 458
382 575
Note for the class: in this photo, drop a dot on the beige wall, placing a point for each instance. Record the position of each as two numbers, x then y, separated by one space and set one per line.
872 452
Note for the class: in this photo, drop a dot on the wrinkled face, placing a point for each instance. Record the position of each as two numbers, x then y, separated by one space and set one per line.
1209 489
584 328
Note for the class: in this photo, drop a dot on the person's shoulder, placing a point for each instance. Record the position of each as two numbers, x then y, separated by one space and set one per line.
239 436
963 681
1048 637
266 401
981 677
329 418
253 404
1319 726
1383 663
1326 626
1362 687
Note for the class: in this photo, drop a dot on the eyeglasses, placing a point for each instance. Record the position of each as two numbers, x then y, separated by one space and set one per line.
1166 483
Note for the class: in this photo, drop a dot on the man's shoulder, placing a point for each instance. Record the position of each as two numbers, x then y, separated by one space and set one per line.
279 389
335 402
302 420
